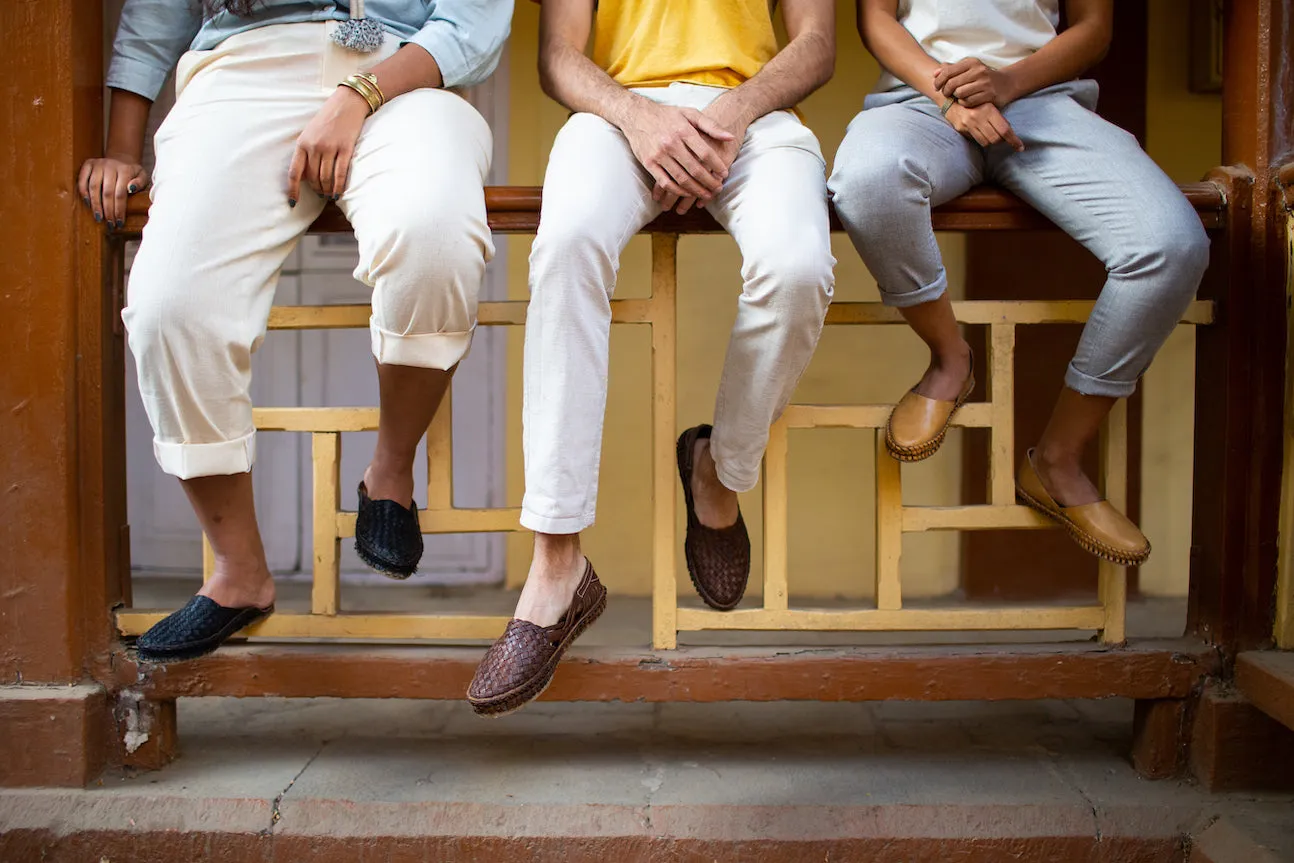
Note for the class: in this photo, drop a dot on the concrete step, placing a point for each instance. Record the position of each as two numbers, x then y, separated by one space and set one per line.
352 780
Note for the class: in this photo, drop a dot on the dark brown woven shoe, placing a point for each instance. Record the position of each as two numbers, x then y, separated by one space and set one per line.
717 559
519 666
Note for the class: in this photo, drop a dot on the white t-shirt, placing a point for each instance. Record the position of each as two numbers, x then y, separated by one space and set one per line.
998 32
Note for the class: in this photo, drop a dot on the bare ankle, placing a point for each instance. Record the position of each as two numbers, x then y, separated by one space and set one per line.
955 355
556 556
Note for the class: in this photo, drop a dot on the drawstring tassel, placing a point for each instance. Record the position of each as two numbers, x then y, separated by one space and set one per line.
359 33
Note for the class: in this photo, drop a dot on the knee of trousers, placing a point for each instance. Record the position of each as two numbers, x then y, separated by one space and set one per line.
871 189
427 279
796 277
1175 255
571 261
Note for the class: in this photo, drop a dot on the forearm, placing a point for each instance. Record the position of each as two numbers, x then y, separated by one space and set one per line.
895 49
1064 58
127 124
803 66
576 82
410 68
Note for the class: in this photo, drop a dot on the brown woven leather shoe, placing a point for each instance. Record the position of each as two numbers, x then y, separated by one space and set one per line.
717 559
918 425
519 666
1098 527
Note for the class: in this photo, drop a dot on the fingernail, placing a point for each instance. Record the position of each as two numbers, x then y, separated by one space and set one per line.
98 218
121 223
292 202
131 188
87 201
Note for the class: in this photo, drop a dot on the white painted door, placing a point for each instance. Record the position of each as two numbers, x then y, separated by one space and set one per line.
335 368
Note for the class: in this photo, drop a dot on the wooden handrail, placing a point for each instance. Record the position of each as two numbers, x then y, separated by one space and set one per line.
515 210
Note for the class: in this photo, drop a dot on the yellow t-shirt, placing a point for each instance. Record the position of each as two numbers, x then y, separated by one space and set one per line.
652 43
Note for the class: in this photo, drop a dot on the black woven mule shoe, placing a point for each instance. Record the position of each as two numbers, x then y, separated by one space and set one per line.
387 536
195 630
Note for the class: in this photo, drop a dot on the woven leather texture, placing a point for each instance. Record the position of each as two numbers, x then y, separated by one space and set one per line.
526 655
199 627
717 559
387 535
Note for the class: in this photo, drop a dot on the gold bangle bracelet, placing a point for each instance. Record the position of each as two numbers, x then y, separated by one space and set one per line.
372 102
948 106
369 82
365 84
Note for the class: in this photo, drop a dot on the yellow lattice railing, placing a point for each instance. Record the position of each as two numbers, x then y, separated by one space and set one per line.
327 618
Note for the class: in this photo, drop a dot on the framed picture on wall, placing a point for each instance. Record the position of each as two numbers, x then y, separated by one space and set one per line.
1206 46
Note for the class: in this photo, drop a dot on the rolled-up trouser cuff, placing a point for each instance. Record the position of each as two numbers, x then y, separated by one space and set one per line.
422 350
908 299
1090 386
190 460
557 526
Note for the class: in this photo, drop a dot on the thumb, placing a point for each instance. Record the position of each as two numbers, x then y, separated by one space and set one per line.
138 183
711 128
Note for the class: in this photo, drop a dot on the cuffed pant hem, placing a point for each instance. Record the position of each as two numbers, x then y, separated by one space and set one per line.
1090 386
732 480
557 526
191 460
908 299
424 350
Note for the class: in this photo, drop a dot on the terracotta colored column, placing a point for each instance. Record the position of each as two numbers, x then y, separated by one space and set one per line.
62 497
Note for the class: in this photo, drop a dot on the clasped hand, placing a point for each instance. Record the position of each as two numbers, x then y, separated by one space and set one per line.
687 152
981 93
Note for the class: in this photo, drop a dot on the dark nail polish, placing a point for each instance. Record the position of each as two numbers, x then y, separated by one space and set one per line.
121 223
131 188
98 218
87 201
292 202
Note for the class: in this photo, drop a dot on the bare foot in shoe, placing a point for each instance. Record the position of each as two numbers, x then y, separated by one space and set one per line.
716 505
1064 480
555 572
389 482
246 584
946 375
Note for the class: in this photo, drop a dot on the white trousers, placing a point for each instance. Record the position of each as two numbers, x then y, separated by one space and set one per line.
596 197
220 229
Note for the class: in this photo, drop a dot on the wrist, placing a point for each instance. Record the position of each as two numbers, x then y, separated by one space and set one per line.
352 101
729 115
1008 88
126 155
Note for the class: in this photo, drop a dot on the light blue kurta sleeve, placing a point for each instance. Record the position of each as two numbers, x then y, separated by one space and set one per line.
466 38
151 37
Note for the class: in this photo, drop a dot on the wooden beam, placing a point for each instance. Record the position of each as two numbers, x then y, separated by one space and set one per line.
1267 679
1147 669
891 618
515 210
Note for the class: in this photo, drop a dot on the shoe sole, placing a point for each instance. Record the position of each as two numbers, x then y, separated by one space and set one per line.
186 654
1086 541
383 567
683 453
509 702
921 452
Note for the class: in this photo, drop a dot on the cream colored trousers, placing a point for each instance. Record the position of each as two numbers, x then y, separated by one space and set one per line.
596 197
220 229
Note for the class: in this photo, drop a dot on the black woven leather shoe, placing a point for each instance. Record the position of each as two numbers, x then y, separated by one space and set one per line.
195 630
387 536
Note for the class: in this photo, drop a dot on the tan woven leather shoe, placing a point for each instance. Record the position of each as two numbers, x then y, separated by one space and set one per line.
718 559
519 666
1098 527
918 425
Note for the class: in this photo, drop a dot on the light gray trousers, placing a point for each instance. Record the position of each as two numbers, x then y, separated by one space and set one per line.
900 158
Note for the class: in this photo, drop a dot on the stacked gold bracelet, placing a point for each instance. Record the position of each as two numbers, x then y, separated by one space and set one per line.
365 84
